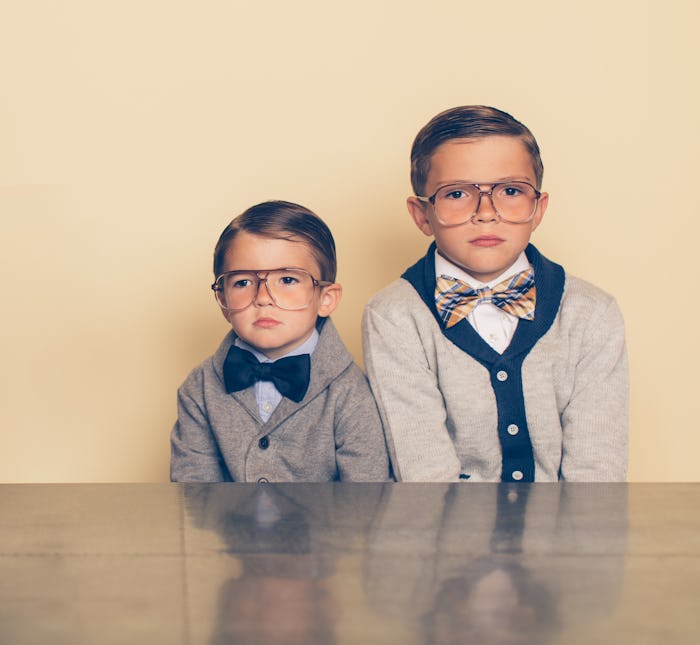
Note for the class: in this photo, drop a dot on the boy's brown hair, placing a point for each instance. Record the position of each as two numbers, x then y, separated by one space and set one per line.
285 221
467 122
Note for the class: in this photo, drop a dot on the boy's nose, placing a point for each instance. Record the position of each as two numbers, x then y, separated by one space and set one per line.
262 296
485 210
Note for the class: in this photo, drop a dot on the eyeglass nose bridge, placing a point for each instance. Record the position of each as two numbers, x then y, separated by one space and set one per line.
475 214
262 280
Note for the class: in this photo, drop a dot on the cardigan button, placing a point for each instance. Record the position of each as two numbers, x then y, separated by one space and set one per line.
513 429
502 375
517 475
264 443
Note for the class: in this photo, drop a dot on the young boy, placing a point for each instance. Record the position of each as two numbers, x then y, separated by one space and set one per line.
281 399
487 360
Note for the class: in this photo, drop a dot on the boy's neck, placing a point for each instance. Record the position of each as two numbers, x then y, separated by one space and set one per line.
307 347
443 266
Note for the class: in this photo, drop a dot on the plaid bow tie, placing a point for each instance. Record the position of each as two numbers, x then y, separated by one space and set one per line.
290 375
455 299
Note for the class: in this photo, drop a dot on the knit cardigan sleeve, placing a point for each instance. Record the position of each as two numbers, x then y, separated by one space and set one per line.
594 419
406 390
195 453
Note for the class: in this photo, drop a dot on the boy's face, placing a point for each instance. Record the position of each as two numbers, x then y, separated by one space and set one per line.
485 246
263 325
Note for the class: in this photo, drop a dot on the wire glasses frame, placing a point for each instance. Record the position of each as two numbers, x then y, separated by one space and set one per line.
456 204
289 288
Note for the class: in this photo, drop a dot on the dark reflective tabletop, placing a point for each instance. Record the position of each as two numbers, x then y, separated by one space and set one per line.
350 563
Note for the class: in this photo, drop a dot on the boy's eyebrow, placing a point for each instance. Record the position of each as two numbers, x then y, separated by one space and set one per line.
490 181
284 268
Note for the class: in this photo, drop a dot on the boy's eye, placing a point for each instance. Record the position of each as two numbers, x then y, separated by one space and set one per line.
239 281
287 280
457 193
511 190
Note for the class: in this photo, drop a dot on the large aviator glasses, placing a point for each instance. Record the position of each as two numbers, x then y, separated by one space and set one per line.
289 289
514 202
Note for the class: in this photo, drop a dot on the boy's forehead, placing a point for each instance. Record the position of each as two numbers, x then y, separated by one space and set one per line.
481 158
496 144
251 251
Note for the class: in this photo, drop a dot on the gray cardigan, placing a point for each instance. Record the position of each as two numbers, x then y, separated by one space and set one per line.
455 409
333 434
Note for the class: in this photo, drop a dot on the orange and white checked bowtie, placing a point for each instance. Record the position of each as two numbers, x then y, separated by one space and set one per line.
455 299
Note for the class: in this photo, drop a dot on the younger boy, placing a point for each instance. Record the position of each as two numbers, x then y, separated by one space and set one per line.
281 399
487 360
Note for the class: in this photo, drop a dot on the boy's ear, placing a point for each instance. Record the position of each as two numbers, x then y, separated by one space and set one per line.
330 299
419 213
541 208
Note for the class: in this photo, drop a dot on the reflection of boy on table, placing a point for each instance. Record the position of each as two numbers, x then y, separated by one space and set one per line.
503 563
285 591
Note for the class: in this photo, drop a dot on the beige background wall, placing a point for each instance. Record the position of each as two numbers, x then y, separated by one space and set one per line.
132 132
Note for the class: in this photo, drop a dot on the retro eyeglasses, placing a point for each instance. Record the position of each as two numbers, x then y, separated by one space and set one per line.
289 289
513 201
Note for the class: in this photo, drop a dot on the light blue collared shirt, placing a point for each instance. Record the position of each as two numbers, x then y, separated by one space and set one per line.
266 394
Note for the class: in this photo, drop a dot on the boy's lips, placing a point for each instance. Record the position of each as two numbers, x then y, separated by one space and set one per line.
486 240
266 323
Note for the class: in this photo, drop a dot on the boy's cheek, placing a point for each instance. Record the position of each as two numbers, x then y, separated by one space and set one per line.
225 314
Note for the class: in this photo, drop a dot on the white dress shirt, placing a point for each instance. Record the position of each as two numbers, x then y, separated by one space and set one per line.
494 325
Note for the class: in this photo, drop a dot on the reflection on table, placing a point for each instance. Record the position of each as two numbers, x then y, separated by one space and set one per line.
350 563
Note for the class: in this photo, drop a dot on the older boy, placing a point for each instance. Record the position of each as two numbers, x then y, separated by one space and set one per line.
487 360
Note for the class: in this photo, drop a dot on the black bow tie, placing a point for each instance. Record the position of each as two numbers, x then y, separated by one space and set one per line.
290 375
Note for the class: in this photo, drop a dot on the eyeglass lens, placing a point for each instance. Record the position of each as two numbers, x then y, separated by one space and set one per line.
288 288
458 203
